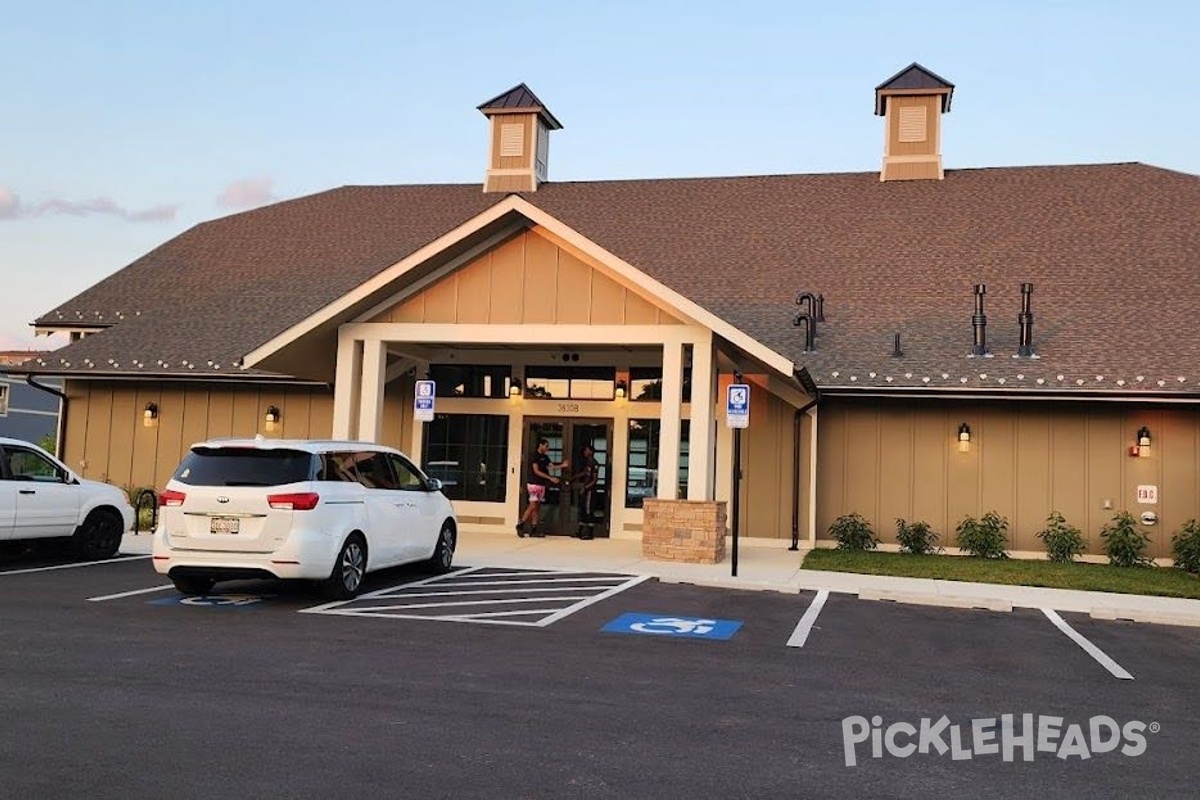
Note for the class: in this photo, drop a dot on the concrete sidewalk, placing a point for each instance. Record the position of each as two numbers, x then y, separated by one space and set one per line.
778 569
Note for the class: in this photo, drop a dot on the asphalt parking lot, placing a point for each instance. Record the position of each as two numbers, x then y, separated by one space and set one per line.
492 682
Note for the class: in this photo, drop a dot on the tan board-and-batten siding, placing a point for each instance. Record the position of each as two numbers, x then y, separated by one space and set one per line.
527 279
1026 459
106 439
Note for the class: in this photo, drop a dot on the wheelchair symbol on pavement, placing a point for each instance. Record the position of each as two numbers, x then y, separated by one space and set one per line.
673 626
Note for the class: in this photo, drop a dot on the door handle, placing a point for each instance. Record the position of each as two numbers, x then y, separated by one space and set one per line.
27 491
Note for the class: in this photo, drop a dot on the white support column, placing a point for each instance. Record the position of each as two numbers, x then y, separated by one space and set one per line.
668 431
346 386
374 371
702 428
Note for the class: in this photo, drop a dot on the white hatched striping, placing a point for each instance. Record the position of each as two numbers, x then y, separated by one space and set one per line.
556 593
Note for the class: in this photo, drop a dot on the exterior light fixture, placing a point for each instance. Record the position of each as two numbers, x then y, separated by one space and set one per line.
514 389
1143 442
272 417
620 391
964 438
150 415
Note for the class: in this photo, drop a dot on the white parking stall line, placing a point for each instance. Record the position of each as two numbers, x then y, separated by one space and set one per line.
485 598
607 579
1095 652
164 587
629 584
463 593
72 566
800 635
403 606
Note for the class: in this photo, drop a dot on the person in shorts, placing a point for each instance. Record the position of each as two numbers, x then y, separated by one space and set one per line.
539 478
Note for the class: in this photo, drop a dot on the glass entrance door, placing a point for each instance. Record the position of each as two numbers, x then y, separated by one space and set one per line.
567 437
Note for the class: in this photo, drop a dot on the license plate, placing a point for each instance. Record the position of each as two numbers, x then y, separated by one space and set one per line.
224 524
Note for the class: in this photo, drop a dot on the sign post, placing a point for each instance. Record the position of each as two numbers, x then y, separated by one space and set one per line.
737 417
423 399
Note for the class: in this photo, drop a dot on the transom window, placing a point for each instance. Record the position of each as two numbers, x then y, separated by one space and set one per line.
575 383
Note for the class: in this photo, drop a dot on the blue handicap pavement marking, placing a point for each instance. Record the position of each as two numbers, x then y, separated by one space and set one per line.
229 601
667 625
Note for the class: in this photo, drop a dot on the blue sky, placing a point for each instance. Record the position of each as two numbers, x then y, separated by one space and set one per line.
128 122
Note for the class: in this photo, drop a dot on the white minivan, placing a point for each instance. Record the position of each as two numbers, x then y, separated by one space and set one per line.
328 511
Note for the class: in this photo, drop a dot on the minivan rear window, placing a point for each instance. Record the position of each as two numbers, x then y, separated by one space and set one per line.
246 466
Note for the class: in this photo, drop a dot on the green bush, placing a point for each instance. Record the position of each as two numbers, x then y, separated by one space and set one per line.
916 538
1063 541
852 532
146 515
983 538
1124 544
1185 546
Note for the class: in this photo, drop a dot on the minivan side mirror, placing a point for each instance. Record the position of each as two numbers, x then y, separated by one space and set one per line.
435 485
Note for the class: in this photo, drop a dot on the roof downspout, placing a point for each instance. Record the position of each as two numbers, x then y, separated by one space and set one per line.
62 412
807 381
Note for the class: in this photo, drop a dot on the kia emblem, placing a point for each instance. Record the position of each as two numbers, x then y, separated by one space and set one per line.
222 499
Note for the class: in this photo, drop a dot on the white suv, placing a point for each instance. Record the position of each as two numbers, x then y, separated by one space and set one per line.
40 498
317 510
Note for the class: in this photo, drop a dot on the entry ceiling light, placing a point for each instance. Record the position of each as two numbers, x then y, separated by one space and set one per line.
620 390
514 389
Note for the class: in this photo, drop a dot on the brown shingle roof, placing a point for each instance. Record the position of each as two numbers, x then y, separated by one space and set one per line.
1112 250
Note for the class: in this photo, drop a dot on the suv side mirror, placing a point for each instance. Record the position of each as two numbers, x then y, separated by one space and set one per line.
435 485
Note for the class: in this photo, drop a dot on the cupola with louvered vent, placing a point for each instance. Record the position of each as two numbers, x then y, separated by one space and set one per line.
520 141
912 103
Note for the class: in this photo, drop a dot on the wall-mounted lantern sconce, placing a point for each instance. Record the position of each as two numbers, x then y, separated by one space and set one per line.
964 438
272 417
1142 448
514 389
150 415
620 391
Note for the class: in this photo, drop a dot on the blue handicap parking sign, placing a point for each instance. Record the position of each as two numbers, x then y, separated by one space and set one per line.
669 625
737 406
423 400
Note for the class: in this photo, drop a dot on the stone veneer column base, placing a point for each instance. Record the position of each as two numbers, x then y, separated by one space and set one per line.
691 531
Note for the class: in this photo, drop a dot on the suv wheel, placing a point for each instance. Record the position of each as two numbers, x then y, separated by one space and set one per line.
99 536
192 585
345 580
443 554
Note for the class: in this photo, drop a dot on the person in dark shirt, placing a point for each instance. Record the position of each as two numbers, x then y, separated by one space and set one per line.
539 478
586 479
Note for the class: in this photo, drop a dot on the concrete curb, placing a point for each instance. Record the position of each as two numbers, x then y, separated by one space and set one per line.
947 601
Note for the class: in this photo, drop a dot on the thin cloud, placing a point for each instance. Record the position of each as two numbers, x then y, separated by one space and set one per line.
247 193
11 208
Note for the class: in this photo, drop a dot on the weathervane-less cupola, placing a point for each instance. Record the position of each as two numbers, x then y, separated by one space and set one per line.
912 103
520 141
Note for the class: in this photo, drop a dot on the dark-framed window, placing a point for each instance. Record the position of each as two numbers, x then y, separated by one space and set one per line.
575 383
471 380
641 470
468 453
645 384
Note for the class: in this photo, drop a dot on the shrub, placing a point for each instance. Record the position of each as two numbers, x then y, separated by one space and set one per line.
983 538
147 513
1124 544
916 538
1185 546
1063 541
852 532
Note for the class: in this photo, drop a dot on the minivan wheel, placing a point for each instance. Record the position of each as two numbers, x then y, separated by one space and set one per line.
345 580
443 554
99 536
191 585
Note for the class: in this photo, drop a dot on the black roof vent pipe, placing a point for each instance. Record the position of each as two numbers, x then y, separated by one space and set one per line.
896 351
1025 320
820 315
810 330
979 323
